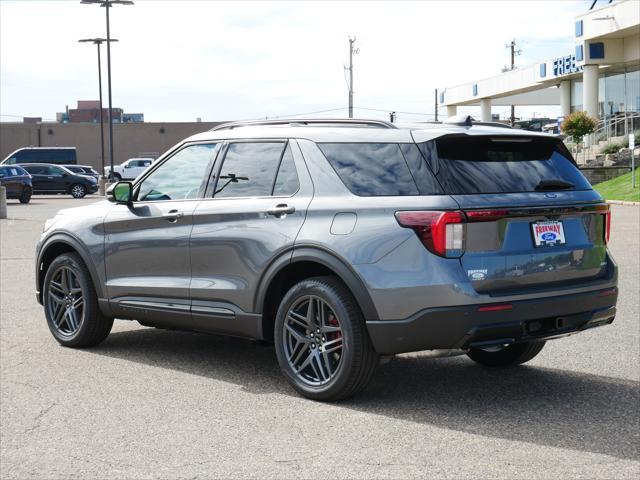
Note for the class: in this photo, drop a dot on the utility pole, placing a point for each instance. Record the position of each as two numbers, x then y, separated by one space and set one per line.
107 4
98 42
514 52
435 105
352 51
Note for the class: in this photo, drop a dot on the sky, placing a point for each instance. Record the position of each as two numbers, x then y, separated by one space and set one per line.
214 60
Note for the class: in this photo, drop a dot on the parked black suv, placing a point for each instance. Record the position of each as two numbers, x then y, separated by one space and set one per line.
57 179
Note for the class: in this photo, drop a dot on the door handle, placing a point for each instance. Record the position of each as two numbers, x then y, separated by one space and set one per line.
172 216
281 210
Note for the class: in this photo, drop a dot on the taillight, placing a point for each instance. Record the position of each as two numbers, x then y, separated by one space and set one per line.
441 232
607 224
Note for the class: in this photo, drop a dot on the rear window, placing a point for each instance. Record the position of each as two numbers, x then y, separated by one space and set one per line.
381 169
465 165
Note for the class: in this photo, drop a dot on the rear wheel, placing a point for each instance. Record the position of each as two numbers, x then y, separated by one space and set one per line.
508 356
321 340
25 196
71 305
78 190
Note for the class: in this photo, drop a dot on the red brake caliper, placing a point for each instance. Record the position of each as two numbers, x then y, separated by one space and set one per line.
333 321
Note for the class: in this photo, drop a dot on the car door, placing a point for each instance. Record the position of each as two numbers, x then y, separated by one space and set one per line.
10 179
138 168
147 261
57 179
39 177
256 205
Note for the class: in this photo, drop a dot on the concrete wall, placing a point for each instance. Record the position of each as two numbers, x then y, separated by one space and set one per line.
602 174
130 139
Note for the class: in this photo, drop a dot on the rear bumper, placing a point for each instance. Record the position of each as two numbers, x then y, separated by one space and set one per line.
472 326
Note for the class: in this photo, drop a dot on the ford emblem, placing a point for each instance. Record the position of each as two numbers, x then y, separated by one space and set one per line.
551 195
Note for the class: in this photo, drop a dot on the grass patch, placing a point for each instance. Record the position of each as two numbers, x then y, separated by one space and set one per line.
619 188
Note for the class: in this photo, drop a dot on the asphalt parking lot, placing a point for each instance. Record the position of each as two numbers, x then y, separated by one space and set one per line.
156 404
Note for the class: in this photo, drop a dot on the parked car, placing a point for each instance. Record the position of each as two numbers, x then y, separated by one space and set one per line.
130 169
343 242
17 181
47 179
54 155
83 170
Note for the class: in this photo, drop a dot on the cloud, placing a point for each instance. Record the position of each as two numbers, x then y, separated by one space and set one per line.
177 61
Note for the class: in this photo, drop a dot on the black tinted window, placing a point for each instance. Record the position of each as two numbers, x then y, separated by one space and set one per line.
287 180
37 169
249 169
467 164
44 155
378 169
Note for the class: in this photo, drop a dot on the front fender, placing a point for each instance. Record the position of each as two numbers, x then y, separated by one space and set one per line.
69 241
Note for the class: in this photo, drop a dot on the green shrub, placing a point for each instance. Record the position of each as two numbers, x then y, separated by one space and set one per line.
578 124
612 148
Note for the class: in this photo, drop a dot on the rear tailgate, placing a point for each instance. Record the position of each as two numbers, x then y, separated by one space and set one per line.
502 254
532 219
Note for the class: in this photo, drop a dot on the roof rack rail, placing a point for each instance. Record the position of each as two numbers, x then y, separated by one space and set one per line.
469 121
297 122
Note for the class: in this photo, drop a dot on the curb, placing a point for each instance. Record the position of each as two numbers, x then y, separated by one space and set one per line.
623 202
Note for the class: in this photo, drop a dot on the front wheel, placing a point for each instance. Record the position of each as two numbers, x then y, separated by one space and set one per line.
78 190
25 196
508 356
321 340
117 177
71 304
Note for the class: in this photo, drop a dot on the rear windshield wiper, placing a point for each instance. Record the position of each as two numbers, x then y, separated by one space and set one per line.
554 185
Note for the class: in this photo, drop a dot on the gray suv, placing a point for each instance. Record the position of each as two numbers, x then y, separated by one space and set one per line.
342 242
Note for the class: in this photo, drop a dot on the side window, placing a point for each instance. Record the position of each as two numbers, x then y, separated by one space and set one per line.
371 169
179 177
58 172
249 169
287 182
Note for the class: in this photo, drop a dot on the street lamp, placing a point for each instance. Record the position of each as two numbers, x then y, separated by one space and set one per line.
107 4
98 42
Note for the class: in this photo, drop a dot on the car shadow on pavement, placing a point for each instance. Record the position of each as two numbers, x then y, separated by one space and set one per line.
548 407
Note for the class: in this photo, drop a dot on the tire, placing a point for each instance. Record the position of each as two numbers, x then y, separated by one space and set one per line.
344 342
25 196
117 177
87 326
509 356
78 190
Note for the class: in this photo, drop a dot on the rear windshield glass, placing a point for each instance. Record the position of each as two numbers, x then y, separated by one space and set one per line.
464 165
381 169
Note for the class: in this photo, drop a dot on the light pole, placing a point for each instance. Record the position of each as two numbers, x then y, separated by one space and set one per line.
107 5
98 42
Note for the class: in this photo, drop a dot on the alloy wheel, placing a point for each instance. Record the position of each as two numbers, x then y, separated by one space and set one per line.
65 301
313 341
78 191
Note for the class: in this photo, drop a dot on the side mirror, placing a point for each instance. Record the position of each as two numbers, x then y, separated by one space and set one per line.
121 192
127 166
1 175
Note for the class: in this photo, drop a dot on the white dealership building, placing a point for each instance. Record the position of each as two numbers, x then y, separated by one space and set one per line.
600 74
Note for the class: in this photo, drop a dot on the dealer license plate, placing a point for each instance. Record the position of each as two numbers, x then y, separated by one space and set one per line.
548 234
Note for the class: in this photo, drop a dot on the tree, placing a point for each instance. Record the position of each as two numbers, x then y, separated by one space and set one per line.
578 124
